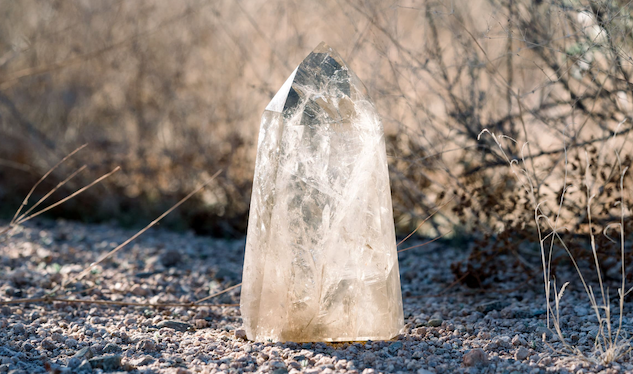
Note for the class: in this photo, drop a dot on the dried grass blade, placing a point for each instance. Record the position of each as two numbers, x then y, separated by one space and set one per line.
59 185
26 199
24 219
118 248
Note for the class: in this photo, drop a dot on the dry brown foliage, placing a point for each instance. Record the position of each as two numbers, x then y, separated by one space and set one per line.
172 91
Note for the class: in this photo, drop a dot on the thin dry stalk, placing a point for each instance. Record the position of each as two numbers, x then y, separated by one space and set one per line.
49 298
425 243
115 303
609 345
40 201
87 270
423 222
18 218
218 293
79 191
26 199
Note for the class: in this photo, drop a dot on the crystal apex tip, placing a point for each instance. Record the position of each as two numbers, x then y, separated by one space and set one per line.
323 47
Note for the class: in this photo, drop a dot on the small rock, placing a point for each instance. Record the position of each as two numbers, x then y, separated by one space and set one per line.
424 371
170 258
240 334
84 367
368 357
111 348
146 345
581 311
6 310
508 313
203 313
71 343
475 357
483 335
83 353
521 354
27 346
145 360
106 363
420 331
503 341
474 317
19 329
201 323
145 274
540 330
17 371
176 325
74 362
522 313
48 344
58 337
139 291
517 340
493 305
96 320
394 347
538 312
435 322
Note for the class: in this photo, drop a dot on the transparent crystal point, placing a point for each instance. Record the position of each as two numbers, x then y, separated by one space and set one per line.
321 261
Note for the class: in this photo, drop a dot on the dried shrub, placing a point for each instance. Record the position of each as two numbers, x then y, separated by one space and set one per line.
173 92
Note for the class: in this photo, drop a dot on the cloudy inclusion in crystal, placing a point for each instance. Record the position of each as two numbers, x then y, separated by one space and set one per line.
321 261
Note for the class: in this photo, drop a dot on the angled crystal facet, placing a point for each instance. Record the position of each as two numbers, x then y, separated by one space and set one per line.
321 261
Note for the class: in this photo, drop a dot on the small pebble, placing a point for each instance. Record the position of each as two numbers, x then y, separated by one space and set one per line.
84 367
48 344
146 345
240 334
490 306
18 328
145 360
170 258
139 291
176 325
475 357
395 347
518 340
111 348
483 335
71 343
521 354
107 363
435 322
85 352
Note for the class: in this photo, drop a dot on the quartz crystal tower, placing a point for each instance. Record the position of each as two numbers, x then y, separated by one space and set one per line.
321 261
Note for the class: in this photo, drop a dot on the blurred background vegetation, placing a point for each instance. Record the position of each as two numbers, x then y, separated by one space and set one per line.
173 91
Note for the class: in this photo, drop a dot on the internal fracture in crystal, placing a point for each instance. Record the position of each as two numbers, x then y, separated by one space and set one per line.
321 261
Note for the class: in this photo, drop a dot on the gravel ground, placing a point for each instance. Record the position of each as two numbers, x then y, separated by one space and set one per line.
449 328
